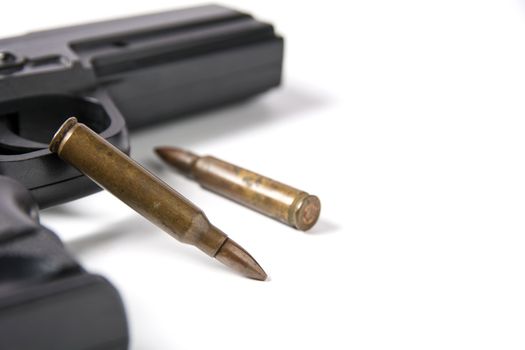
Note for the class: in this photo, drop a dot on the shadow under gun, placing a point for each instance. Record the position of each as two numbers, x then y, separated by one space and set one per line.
114 76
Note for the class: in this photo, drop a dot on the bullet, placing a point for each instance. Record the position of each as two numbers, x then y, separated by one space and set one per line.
114 171
272 198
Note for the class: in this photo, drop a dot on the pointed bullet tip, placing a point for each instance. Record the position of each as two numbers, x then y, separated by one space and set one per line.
234 256
162 149
163 152
180 159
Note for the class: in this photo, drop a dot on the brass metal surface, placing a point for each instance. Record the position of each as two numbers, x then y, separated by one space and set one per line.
277 200
148 195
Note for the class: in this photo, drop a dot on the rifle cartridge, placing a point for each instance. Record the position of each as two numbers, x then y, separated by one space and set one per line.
272 198
114 171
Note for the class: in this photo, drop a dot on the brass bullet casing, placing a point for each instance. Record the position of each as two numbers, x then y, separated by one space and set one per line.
272 198
114 171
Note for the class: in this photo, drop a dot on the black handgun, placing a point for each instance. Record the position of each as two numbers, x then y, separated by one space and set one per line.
114 76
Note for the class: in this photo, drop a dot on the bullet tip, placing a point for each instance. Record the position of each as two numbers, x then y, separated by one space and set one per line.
234 256
180 159
161 150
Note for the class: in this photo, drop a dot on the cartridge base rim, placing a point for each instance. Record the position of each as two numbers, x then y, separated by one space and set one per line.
306 212
60 135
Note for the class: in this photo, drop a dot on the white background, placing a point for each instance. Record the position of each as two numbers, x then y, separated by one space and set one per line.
406 118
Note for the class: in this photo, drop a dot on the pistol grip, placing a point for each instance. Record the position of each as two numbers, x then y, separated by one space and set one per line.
46 298
28 250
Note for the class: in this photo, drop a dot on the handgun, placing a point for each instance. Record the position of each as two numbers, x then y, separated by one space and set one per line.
116 77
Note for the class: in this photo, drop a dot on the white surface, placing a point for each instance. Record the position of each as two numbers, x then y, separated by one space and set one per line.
407 119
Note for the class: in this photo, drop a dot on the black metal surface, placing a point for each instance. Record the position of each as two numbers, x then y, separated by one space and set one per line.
77 312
